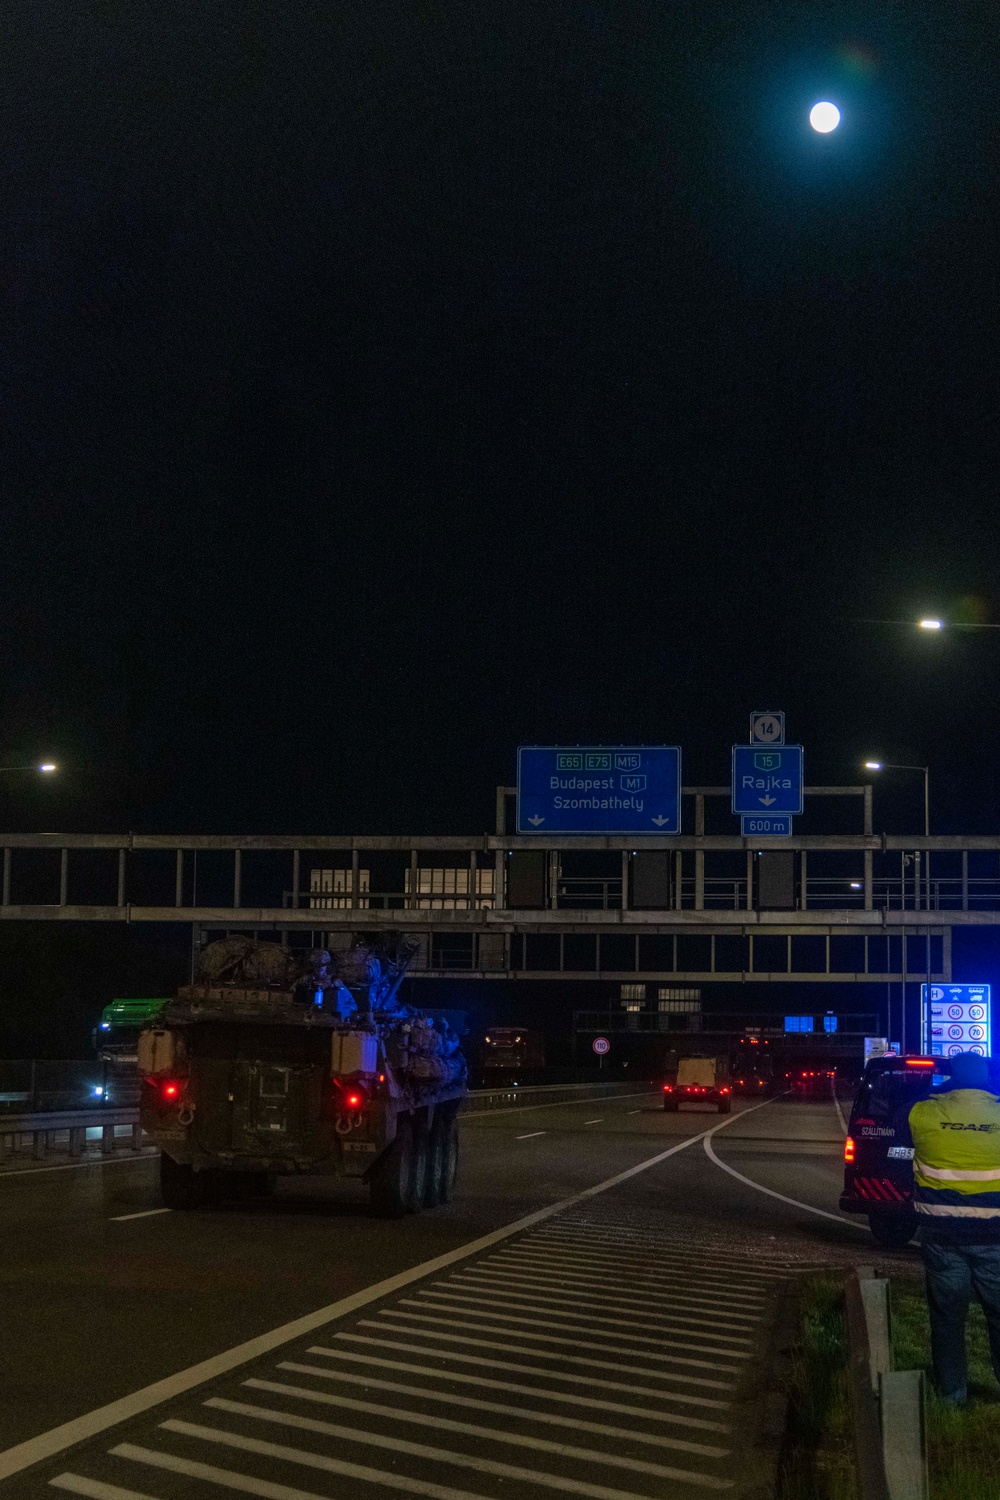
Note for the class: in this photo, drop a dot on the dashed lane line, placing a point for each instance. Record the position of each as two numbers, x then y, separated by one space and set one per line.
147 1213
531 1135
595 1122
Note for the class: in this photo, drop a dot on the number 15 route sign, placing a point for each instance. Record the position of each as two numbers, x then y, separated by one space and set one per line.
767 781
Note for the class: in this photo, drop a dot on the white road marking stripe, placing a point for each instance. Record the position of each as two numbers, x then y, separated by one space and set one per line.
473 1461
770 1193
635 1111
554 1301
597 1364
78 1484
531 1135
620 1248
594 1122
471 1429
573 1275
664 1265
538 1371
471 1403
724 1343
539 1283
552 1338
58 1439
147 1213
459 1377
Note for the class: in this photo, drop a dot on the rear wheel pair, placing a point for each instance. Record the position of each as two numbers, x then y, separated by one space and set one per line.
418 1170
893 1231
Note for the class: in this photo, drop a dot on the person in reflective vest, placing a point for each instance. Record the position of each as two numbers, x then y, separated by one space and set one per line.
956 1169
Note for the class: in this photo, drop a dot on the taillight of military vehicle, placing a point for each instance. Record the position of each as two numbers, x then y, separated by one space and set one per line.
349 1096
849 1150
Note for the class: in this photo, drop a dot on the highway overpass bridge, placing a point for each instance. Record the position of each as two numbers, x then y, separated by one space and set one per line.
845 907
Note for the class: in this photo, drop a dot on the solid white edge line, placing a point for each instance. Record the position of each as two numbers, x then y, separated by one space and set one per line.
147 1213
821 1213
58 1439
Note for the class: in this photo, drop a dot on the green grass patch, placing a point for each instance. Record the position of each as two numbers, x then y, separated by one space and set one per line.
817 1461
963 1447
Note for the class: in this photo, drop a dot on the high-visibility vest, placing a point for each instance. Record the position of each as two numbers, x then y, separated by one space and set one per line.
956 1164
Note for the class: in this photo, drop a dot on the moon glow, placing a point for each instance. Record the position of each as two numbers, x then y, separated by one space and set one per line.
824 117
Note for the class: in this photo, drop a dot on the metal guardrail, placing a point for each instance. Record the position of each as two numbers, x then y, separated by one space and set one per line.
43 1130
888 1405
66 1130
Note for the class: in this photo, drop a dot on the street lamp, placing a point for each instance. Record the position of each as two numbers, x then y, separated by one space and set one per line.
885 765
45 766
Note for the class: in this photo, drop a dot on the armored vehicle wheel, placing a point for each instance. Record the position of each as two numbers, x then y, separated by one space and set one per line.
436 1158
893 1231
725 1106
446 1192
670 1104
420 1171
389 1183
181 1187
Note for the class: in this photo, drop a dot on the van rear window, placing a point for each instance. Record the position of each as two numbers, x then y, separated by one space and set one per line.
885 1095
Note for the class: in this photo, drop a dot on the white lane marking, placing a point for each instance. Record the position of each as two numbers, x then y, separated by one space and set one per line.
840 1112
57 1439
536 1281
570 1274
476 1462
459 1377
821 1213
579 1343
666 1264
589 1319
78 1484
625 1247
523 1109
471 1403
635 1111
469 1429
549 1338
539 1371
147 1213
594 1122
555 1301
73 1166
530 1135
555 1354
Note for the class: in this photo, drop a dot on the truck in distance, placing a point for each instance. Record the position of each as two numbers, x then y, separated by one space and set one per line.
697 1080
266 1066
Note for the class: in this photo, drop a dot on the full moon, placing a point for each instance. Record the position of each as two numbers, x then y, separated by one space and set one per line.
824 117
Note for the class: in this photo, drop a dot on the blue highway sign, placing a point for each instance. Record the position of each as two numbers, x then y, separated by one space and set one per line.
599 789
766 825
767 780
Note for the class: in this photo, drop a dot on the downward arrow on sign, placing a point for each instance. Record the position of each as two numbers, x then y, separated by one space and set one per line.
536 820
660 821
767 800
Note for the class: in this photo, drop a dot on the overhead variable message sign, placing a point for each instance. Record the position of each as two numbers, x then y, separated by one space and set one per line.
955 1018
631 789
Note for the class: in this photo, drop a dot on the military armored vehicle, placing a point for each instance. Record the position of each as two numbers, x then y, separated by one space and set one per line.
267 1066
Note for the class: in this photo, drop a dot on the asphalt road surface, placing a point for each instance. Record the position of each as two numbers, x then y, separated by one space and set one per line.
599 1320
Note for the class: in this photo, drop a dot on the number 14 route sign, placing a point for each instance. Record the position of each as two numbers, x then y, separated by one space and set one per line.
767 781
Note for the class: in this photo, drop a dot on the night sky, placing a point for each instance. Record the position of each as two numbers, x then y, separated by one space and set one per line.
382 386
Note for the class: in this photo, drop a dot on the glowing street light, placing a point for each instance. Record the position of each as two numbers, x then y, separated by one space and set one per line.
931 624
45 765
873 765
824 117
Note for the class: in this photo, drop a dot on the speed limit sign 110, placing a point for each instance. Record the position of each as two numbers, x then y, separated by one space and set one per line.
601 1045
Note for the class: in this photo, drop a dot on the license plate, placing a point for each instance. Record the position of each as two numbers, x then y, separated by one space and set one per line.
361 1148
900 1153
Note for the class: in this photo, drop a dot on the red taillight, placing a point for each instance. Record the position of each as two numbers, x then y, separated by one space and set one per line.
723 1091
349 1096
920 1062
668 1088
849 1149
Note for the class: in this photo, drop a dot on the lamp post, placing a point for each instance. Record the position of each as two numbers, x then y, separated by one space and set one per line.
885 765
45 767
